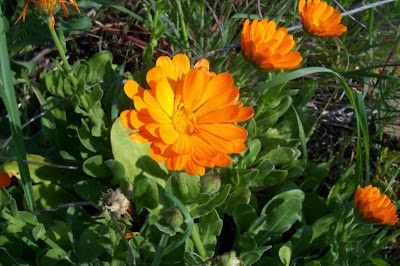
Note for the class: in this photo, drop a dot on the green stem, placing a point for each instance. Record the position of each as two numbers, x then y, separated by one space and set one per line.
182 20
61 52
10 101
160 249
198 243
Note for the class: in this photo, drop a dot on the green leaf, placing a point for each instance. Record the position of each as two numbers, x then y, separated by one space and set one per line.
98 65
265 168
301 241
243 215
49 195
38 231
285 253
242 194
213 203
246 242
90 245
95 167
253 148
145 193
117 169
135 157
251 257
280 156
210 227
90 190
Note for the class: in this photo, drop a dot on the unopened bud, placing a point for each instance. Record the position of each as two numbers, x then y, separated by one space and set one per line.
210 183
173 216
225 259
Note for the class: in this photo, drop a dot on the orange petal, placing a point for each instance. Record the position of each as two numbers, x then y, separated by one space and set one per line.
5 180
183 145
194 87
181 64
226 131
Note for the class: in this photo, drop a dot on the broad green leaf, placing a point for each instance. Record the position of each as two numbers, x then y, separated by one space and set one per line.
90 245
135 157
210 227
280 156
95 167
243 215
242 194
90 190
301 240
49 195
145 193
246 242
117 169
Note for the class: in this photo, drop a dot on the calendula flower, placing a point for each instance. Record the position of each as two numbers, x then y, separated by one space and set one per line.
320 19
188 115
129 235
374 206
48 6
115 203
268 47
5 180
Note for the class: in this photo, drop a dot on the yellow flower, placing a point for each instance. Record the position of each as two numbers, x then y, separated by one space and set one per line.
48 6
374 206
188 115
268 47
320 19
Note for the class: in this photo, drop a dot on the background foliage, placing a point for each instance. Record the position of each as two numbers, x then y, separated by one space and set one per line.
317 133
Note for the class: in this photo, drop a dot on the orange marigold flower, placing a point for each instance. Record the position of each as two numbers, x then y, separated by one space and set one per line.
268 47
48 6
187 115
5 179
320 19
374 206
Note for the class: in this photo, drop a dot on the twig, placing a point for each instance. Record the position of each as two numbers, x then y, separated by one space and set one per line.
124 238
72 204
216 19
39 163
293 28
259 9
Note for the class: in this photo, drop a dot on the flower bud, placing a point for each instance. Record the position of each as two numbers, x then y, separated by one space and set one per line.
228 258
210 183
174 217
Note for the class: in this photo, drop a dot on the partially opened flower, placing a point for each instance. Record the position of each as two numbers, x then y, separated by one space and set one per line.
188 115
269 48
5 180
320 19
48 6
374 206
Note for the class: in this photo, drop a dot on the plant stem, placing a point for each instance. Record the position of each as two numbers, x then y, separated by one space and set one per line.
198 243
10 101
61 52
160 249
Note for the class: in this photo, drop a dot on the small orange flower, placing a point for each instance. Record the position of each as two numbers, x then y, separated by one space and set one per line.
188 115
129 235
374 206
5 179
268 47
320 19
48 6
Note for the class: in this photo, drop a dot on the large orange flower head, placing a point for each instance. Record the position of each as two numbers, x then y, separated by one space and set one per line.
188 115
5 179
269 48
320 19
48 6
374 206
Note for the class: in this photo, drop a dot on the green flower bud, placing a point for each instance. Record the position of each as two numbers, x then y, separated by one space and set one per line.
210 183
173 216
228 258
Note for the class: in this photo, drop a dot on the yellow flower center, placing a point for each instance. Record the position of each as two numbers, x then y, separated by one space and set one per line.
184 121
